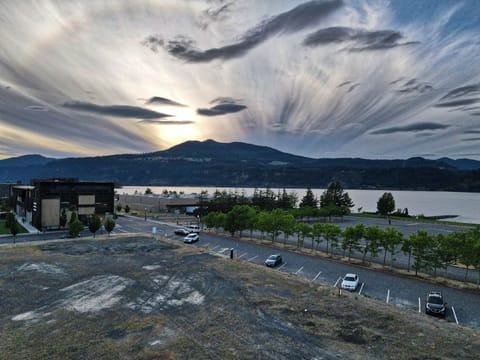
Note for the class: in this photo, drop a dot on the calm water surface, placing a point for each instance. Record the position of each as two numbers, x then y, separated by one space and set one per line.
429 203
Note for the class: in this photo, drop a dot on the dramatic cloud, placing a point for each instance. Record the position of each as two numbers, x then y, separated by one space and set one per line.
456 103
462 91
361 40
153 42
36 108
296 19
156 100
414 86
411 128
225 105
166 122
356 76
221 109
123 111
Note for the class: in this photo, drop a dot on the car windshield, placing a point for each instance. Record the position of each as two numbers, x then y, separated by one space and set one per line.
349 278
272 257
435 300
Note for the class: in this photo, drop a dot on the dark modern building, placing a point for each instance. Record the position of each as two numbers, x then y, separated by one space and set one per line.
42 202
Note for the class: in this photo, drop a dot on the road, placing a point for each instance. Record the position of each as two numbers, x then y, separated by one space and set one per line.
400 291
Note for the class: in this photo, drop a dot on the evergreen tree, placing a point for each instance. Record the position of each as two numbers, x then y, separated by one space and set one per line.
94 224
14 229
73 218
10 219
74 227
309 200
63 218
335 195
109 225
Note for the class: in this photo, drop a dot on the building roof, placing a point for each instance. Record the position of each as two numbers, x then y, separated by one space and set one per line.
24 187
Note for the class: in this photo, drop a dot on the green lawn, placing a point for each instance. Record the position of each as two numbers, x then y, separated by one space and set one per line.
4 230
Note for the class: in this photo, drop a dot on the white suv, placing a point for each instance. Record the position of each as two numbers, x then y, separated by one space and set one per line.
194 228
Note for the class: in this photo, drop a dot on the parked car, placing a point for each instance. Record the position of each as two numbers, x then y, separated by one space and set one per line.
350 282
182 231
435 304
273 260
194 228
191 238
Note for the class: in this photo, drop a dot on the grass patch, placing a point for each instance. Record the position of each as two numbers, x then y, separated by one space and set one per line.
6 231
421 219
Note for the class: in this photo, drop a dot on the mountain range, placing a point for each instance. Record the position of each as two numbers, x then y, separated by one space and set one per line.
210 163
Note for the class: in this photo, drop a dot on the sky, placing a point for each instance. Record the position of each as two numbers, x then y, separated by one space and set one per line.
327 78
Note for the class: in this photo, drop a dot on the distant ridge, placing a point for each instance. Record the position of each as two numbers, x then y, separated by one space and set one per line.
25 160
214 164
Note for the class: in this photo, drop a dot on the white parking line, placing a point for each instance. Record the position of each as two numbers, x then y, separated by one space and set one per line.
336 282
419 305
455 315
316 277
361 288
388 295
282 266
254 257
215 247
242 255
296 273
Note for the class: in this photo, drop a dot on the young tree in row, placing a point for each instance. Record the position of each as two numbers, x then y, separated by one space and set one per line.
331 234
445 251
74 228
215 220
14 229
420 241
63 218
351 238
109 225
94 224
393 238
10 219
317 233
287 226
386 204
73 217
302 230
238 218
467 256
372 237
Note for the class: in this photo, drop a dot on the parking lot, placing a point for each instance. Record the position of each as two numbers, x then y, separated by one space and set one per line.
407 293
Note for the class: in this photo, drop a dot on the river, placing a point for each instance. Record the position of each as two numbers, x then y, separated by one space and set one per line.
429 203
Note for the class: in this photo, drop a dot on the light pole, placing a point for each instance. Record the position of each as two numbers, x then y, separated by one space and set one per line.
145 214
